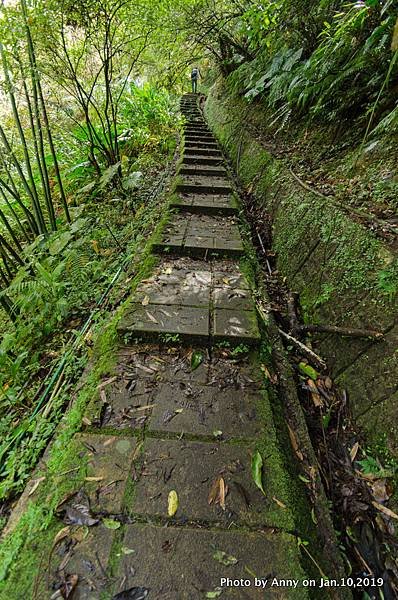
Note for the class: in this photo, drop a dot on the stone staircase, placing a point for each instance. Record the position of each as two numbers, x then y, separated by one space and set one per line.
197 293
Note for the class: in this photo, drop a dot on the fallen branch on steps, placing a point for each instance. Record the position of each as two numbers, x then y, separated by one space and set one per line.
310 354
348 331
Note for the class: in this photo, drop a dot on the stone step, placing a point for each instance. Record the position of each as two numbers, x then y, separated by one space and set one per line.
202 170
199 137
206 204
192 151
199 184
163 552
202 236
202 160
191 305
212 145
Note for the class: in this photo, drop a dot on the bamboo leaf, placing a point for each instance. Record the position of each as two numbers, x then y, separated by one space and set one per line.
257 470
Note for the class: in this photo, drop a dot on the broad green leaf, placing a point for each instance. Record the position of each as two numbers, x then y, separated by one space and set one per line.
308 370
257 470
196 360
172 503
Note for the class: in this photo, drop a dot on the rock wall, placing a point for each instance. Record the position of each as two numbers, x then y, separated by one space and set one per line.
345 276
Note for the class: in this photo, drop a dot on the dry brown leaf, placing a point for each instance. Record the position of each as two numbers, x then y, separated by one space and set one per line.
380 490
294 443
316 398
106 382
384 509
328 383
103 395
214 490
354 451
61 535
279 503
222 493
36 485
86 421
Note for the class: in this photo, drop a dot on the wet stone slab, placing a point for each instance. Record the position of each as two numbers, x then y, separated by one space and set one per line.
180 564
236 325
233 298
195 234
182 287
204 184
185 407
84 553
192 469
206 204
109 460
126 403
154 320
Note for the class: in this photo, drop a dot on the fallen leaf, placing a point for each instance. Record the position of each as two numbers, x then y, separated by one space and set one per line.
385 510
134 593
93 478
273 378
380 490
354 451
127 551
196 359
36 485
214 594
68 586
79 514
294 443
223 493
279 503
145 301
111 524
61 535
172 503
217 433
316 398
257 470
218 492
224 558
308 370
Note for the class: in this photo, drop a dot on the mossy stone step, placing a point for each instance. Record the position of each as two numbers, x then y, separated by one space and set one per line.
189 304
201 236
192 553
206 204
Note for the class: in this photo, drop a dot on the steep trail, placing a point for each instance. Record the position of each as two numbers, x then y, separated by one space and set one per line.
181 418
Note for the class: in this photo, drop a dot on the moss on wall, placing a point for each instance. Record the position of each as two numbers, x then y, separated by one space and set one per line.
344 274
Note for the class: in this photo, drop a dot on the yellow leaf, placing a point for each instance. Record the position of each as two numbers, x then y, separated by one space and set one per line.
394 41
173 503
95 246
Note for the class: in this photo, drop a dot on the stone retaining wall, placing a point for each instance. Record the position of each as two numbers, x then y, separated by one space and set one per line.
339 268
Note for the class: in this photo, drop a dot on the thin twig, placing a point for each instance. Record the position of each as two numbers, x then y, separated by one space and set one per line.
310 354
